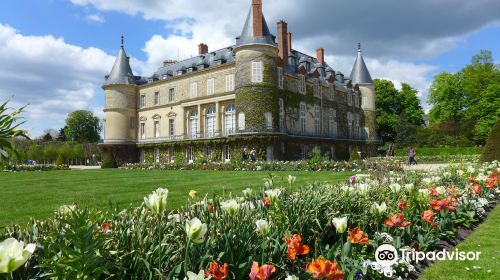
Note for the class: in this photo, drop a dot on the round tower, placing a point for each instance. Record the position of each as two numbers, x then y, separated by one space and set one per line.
256 54
120 109
361 77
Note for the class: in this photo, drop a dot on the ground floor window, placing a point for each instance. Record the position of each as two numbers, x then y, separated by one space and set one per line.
157 155
142 158
190 157
227 153
208 152
171 154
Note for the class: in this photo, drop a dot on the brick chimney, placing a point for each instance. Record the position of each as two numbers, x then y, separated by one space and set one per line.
202 49
257 18
320 55
283 41
289 41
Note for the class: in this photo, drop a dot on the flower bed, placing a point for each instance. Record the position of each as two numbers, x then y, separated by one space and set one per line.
319 232
26 168
369 164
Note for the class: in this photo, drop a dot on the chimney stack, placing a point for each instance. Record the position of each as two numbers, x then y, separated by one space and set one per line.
283 41
320 55
202 49
289 41
257 18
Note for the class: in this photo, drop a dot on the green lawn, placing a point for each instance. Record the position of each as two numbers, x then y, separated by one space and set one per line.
38 194
484 239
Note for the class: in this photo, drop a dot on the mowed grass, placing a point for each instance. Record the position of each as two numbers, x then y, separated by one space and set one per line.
484 239
26 195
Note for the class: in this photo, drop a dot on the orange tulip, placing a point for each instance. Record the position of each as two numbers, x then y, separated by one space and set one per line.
261 273
445 203
402 205
357 236
427 216
396 220
216 271
325 269
266 201
476 189
295 247
433 192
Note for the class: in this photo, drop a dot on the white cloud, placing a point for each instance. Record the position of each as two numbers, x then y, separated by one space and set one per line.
95 18
51 75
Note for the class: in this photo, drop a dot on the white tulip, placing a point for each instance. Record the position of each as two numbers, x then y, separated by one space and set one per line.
230 206
263 227
66 210
13 254
247 192
196 230
340 224
378 208
273 194
157 201
291 179
194 276
395 187
292 277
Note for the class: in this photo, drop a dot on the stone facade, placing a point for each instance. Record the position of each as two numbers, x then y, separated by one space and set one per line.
279 103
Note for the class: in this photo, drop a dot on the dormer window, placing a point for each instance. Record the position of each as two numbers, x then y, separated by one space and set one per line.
150 80
179 72
164 76
257 72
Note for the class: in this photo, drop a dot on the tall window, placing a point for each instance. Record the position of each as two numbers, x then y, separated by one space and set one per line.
131 122
302 84
171 154
193 124
241 121
332 124
330 92
157 129
364 100
189 152
157 98
280 77
210 122
194 90
230 82
282 114
227 153
302 116
356 125
143 101
268 117
349 99
210 86
257 72
171 95
349 123
171 127
317 127
208 152
143 130
316 91
230 120
157 155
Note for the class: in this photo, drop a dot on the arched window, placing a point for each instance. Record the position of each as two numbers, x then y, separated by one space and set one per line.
193 124
230 120
210 121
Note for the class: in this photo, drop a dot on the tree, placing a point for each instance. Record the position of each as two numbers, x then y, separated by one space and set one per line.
391 104
9 123
447 97
82 126
47 137
62 134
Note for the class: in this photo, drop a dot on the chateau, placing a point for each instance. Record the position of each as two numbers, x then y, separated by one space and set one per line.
259 94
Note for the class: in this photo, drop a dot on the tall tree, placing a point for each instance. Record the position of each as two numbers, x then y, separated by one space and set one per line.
82 126
447 97
411 105
62 134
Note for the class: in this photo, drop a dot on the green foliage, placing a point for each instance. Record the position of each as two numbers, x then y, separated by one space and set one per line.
82 126
405 132
109 161
60 161
9 123
316 156
354 154
391 104
447 98
491 150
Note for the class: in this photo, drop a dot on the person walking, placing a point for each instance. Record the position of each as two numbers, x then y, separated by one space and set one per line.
252 155
244 154
411 156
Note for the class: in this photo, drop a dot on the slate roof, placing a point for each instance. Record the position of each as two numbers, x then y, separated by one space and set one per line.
360 74
121 72
247 36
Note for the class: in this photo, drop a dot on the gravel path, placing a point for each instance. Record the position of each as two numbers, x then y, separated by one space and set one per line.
433 166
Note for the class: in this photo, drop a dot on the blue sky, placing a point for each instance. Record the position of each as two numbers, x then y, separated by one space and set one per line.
55 53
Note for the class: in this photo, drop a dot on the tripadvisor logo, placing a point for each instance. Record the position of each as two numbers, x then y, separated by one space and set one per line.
387 255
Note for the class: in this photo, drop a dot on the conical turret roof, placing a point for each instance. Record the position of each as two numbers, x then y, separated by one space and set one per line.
121 72
360 74
248 37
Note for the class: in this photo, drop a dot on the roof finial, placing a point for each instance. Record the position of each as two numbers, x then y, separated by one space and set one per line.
122 43
359 47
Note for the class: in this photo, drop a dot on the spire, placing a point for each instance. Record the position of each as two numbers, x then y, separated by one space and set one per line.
121 72
360 74
256 30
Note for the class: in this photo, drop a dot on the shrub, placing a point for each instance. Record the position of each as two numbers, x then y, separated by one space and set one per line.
491 150
109 161
354 154
60 160
315 156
